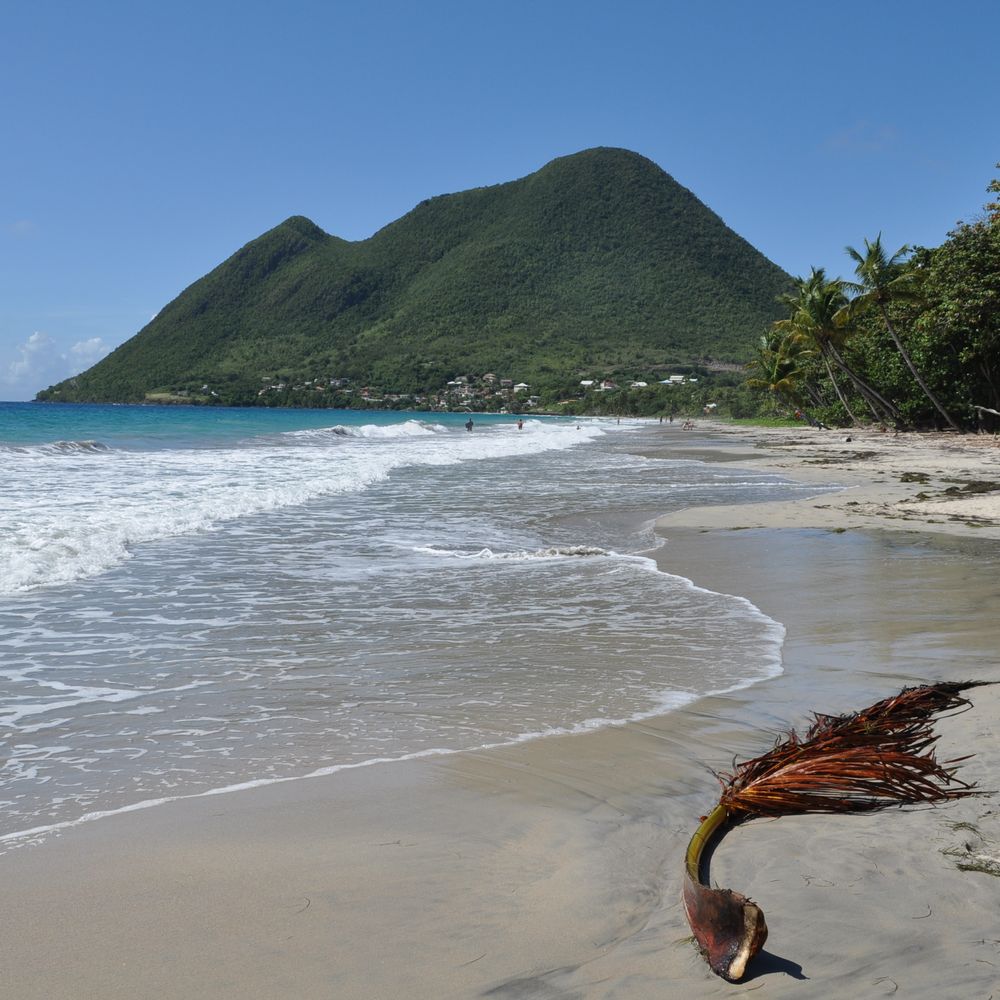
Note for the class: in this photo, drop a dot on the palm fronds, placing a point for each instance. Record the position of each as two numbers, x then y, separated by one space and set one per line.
881 756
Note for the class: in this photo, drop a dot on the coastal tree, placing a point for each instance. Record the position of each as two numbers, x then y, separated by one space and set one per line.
781 365
883 279
962 319
817 312
993 207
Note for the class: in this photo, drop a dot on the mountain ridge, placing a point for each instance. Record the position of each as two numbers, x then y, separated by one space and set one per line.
597 260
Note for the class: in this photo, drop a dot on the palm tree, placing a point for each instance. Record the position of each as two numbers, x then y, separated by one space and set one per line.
817 312
881 280
780 365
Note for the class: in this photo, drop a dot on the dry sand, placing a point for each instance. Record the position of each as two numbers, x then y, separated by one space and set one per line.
552 869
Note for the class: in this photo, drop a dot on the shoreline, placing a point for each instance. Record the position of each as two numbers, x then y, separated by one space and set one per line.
929 482
552 868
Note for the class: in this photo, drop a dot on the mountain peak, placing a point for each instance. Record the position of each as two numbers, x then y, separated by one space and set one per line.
596 260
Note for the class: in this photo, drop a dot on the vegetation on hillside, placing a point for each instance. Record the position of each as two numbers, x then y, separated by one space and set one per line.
598 262
913 341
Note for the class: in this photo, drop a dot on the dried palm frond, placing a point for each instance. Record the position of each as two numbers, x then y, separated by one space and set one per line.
881 756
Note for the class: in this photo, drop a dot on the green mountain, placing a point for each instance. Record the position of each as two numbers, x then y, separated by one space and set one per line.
598 261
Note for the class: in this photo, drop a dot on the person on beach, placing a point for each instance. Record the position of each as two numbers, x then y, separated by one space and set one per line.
468 424
520 423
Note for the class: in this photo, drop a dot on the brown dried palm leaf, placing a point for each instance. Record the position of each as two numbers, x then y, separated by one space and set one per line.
880 756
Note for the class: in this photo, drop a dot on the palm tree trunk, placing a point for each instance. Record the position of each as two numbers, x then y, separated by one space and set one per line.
987 373
813 393
875 400
913 369
824 349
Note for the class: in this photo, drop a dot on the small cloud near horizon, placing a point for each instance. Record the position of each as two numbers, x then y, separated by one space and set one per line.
39 362
862 139
88 352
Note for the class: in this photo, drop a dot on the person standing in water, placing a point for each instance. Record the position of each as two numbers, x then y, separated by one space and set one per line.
468 424
520 423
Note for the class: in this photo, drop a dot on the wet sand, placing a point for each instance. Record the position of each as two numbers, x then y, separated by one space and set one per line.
552 869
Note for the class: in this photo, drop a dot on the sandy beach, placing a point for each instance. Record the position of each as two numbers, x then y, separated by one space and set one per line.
552 869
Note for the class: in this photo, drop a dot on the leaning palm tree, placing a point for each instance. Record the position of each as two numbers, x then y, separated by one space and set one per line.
817 312
881 280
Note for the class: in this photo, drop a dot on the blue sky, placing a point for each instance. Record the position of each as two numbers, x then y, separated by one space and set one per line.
144 143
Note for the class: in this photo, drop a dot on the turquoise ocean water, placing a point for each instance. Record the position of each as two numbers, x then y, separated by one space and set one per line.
193 599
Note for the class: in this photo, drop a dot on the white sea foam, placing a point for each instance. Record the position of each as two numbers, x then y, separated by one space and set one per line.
64 520
553 552
20 707
668 701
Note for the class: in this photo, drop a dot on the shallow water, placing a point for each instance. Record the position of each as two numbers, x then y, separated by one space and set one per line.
193 599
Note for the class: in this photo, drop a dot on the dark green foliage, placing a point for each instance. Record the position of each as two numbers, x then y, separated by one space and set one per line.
596 261
920 341
961 326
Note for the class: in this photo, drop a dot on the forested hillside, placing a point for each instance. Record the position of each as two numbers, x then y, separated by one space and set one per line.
597 262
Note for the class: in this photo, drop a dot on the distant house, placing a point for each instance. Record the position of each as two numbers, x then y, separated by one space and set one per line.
489 377
638 385
506 383
521 387
607 385
587 383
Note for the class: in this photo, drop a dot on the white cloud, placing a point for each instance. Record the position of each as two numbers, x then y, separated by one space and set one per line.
88 352
30 356
39 362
